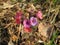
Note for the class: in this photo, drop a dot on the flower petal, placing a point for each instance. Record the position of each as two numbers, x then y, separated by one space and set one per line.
26 23
39 15
18 21
18 17
27 30
33 21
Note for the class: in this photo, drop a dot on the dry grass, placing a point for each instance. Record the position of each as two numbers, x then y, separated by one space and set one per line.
47 31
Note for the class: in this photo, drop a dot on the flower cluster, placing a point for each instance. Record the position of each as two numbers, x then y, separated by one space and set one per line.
18 17
27 23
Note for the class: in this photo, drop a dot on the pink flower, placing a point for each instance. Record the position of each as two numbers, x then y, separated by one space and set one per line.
39 15
33 21
26 23
18 17
27 30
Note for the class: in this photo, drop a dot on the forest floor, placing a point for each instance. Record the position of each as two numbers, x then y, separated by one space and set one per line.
30 22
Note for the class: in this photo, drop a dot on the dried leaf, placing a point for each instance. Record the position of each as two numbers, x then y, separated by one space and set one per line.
44 30
14 37
6 5
10 43
57 24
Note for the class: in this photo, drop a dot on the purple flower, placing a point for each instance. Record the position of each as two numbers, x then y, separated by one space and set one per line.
33 21
26 23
